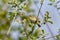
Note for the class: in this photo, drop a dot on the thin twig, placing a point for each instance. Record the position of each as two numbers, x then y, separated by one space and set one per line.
50 31
37 17
13 20
52 37
11 24
32 30
39 11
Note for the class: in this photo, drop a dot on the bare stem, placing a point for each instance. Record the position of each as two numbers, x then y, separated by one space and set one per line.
39 10
52 37
37 17
11 24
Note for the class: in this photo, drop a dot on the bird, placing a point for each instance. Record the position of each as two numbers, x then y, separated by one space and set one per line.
34 20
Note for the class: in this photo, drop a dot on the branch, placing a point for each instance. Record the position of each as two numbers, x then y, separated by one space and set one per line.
52 37
39 10
11 24
32 30
37 17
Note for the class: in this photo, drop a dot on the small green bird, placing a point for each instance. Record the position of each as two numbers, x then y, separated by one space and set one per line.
34 20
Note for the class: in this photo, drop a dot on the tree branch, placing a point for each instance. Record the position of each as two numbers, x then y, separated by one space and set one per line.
11 24
39 11
52 37
37 17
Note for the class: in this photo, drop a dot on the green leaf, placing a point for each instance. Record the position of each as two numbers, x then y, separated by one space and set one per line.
29 2
52 0
23 38
37 33
57 37
50 22
59 30
43 31
20 29
21 1
4 1
47 18
33 38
